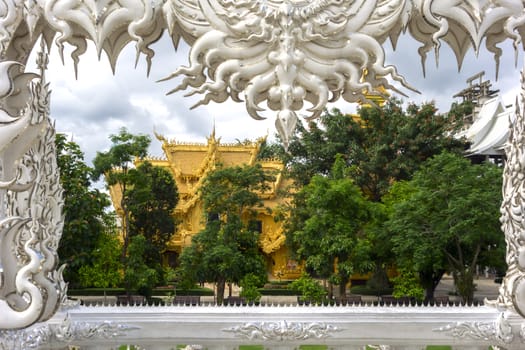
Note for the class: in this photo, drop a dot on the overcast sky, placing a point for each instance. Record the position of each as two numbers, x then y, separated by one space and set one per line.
99 103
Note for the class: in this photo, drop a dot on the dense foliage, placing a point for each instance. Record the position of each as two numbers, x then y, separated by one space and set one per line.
326 227
151 202
116 164
105 269
448 220
380 145
227 249
148 197
85 218
384 147
309 288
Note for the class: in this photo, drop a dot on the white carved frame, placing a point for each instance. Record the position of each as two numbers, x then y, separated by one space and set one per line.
288 56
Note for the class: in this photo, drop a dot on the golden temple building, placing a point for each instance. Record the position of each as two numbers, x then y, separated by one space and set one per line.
189 163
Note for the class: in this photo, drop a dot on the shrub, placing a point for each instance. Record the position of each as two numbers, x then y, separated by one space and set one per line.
250 287
406 284
309 288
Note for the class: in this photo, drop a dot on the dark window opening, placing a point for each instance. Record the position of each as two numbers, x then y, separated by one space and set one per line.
213 217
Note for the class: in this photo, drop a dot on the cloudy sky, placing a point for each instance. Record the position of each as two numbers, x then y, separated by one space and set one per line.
99 103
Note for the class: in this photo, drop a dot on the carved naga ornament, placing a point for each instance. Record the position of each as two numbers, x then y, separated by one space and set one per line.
287 56
281 57
31 288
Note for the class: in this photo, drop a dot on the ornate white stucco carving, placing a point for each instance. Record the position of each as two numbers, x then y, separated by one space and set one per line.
31 287
390 328
498 331
379 347
283 331
512 290
286 53
67 331
289 57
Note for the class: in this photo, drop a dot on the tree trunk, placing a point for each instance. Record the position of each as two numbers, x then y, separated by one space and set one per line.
221 286
429 281
125 223
125 235
464 281
342 287
379 280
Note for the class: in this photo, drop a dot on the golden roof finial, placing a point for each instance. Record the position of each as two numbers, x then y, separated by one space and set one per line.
377 97
158 136
212 139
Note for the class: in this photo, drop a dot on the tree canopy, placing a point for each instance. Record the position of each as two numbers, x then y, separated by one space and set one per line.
115 165
227 248
151 201
327 233
85 218
105 269
447 219
379 144
148 196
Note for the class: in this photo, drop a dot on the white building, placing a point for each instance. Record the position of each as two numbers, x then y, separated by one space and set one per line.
487 129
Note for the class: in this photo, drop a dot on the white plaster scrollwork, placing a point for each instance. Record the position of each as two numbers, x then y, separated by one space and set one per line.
522 332
291 57
110 24
286 53
379 347
193 347
282 331
512 290
67 332
498 331
31 288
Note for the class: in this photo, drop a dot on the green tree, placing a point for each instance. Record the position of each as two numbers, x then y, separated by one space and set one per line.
138 276
271 150
390 144
152 198
85 218
328 233
381 145
312 149
407 284
448 221
105 270
227 248
459 111
115 165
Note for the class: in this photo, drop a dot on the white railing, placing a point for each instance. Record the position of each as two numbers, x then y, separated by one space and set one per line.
274 327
